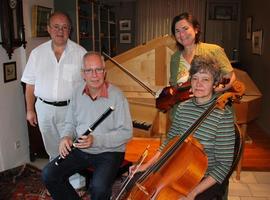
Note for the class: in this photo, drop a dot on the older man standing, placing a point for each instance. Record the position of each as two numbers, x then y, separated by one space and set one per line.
51 74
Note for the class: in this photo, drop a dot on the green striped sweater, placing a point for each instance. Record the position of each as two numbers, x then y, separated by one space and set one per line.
216 133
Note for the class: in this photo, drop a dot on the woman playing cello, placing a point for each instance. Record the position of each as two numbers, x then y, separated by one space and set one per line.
215 133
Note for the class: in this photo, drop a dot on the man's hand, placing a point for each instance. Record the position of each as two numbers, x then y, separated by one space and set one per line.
84 141
31 117
65 146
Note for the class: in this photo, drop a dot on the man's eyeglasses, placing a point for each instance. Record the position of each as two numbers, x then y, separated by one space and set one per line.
59 28
91 71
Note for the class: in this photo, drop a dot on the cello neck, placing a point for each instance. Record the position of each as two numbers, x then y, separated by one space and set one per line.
165 156
180 141
148 89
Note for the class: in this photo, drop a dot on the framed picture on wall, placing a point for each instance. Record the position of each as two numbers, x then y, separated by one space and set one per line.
125 25
125 38
223 11
10 71
257 40
40 16
249 28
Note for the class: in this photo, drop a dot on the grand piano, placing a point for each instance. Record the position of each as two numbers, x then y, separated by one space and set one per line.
250 105
150 63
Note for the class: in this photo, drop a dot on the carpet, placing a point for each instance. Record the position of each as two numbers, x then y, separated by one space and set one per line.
24 183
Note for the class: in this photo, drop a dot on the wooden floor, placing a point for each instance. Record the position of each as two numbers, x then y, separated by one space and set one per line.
257 150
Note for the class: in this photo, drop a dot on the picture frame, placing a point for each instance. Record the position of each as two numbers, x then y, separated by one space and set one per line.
257 41
125 38
10 71
249 28
223 11
40 16
125 25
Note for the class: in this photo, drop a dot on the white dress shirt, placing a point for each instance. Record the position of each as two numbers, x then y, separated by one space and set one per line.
54 81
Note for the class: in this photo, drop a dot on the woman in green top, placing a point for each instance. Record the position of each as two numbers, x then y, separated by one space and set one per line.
186 31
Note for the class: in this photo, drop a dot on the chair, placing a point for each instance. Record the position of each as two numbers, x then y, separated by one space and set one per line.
238 149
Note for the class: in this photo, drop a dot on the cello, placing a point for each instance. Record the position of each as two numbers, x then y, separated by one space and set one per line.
182 164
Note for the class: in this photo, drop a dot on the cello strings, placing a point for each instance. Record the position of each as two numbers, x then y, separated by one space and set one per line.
180 141
155 167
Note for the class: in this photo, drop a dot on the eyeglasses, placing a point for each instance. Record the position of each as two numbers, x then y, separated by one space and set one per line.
91 71
57 27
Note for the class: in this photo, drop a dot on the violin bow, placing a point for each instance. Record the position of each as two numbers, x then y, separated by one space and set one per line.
148 89
130 176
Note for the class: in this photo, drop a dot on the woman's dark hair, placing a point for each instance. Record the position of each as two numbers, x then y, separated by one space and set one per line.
205 64
192 20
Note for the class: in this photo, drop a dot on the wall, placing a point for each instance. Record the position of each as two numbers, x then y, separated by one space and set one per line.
223 32
12 115
257 66
154 17
70 9
123 10
13 126
27 6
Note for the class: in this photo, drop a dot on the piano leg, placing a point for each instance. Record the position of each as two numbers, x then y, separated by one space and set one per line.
163 124
243 129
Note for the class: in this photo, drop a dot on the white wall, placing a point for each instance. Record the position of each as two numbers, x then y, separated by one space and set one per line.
12 110
12 116
27 10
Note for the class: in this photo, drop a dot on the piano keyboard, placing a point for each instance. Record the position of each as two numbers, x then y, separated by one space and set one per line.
141 125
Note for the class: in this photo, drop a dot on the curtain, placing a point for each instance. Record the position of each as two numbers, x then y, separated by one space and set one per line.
154 17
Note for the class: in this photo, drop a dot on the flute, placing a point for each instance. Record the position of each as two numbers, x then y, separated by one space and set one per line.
89 130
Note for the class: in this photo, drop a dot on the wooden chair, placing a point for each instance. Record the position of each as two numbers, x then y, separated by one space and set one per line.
238 150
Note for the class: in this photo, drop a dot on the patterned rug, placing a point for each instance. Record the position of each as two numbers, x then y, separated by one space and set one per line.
24 183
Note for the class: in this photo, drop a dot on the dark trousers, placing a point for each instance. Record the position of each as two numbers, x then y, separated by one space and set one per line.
106 165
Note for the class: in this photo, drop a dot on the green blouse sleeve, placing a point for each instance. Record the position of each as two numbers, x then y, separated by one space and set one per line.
218 53
223 60
175 58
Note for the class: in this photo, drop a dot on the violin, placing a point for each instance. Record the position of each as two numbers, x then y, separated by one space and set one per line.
182 163
169 95
172 95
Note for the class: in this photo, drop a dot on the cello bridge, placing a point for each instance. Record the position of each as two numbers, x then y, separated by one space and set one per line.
142 188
